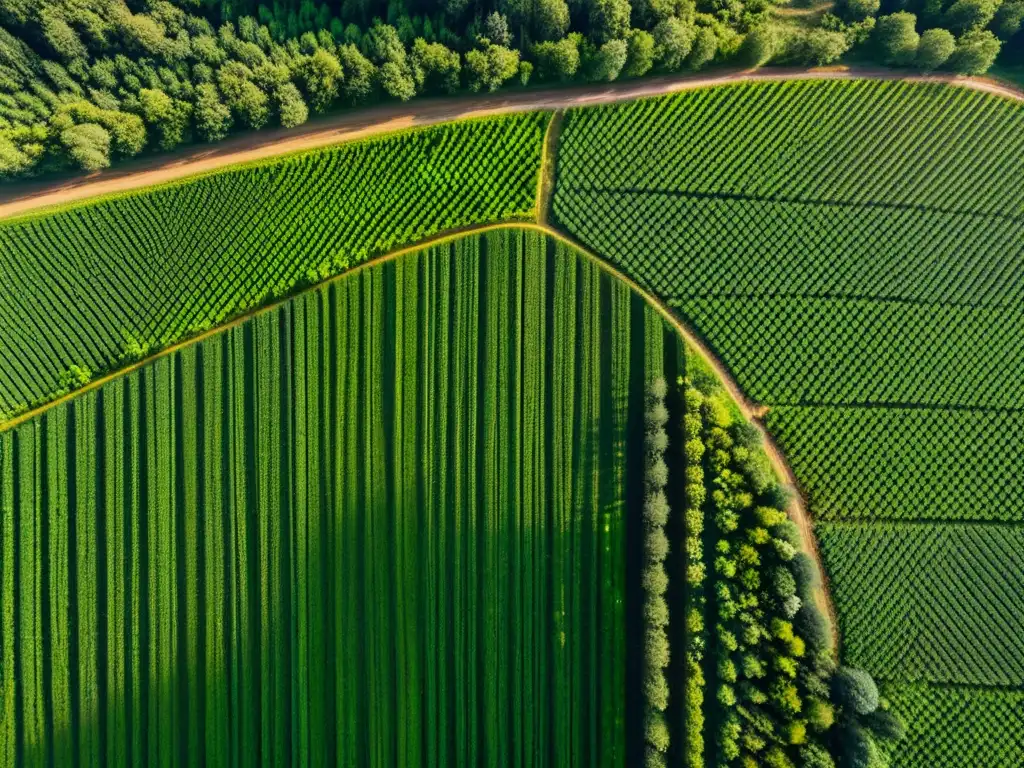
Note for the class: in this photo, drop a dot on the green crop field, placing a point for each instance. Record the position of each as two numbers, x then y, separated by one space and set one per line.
854 253
103 282
382 524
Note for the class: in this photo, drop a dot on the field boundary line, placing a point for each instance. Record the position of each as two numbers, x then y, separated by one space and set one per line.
753 412
546 178
22 199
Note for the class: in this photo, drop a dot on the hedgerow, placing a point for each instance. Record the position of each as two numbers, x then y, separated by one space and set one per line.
761 683
656 547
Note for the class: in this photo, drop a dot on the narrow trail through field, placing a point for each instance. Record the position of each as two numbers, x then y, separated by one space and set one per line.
19 198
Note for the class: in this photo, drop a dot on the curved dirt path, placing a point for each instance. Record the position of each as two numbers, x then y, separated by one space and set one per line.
19 198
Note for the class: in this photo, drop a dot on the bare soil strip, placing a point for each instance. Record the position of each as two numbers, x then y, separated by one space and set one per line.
19 198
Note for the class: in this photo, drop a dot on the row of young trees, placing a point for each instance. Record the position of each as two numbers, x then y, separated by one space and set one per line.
655 579
754 637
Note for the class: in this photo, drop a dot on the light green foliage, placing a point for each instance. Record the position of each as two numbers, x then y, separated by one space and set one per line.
607 61
212 116
492 67
705 47
436 68
640 49
673 39
88 145
321 75
165 263
557 61
975 52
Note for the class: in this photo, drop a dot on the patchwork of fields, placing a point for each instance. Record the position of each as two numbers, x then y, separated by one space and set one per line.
399 518
854 253
102 282
382 524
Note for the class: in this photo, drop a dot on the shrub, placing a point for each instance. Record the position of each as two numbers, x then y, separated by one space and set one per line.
935 48
975 52
704 50
815 756
855 689
820 715
897 38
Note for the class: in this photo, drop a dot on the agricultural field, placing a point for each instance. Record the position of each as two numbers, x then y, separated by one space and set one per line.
852 252
364 527
106 282
438 511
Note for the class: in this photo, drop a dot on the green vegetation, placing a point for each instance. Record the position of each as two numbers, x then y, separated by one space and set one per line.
852 252
934 602
754 658
87 82
109 281
383 523
905 464
655 579
958 726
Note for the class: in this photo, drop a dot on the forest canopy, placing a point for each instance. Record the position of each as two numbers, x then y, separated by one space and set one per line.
86 82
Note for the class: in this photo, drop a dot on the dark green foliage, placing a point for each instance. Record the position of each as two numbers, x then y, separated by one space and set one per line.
812 627
805 571
884 725
253 536
759 46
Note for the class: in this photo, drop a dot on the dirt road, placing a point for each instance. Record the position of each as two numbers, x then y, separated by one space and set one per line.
18 198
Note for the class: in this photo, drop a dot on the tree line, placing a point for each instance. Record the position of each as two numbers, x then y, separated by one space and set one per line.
85 82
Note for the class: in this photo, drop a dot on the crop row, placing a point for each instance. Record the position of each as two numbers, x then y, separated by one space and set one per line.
809 140
383 524
935 602
957 726
91 284
910 464
794 351
680 245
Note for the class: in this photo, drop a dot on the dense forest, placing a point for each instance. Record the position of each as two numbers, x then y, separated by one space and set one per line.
86 82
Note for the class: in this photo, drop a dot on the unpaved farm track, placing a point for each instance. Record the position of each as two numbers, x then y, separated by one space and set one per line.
22 197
